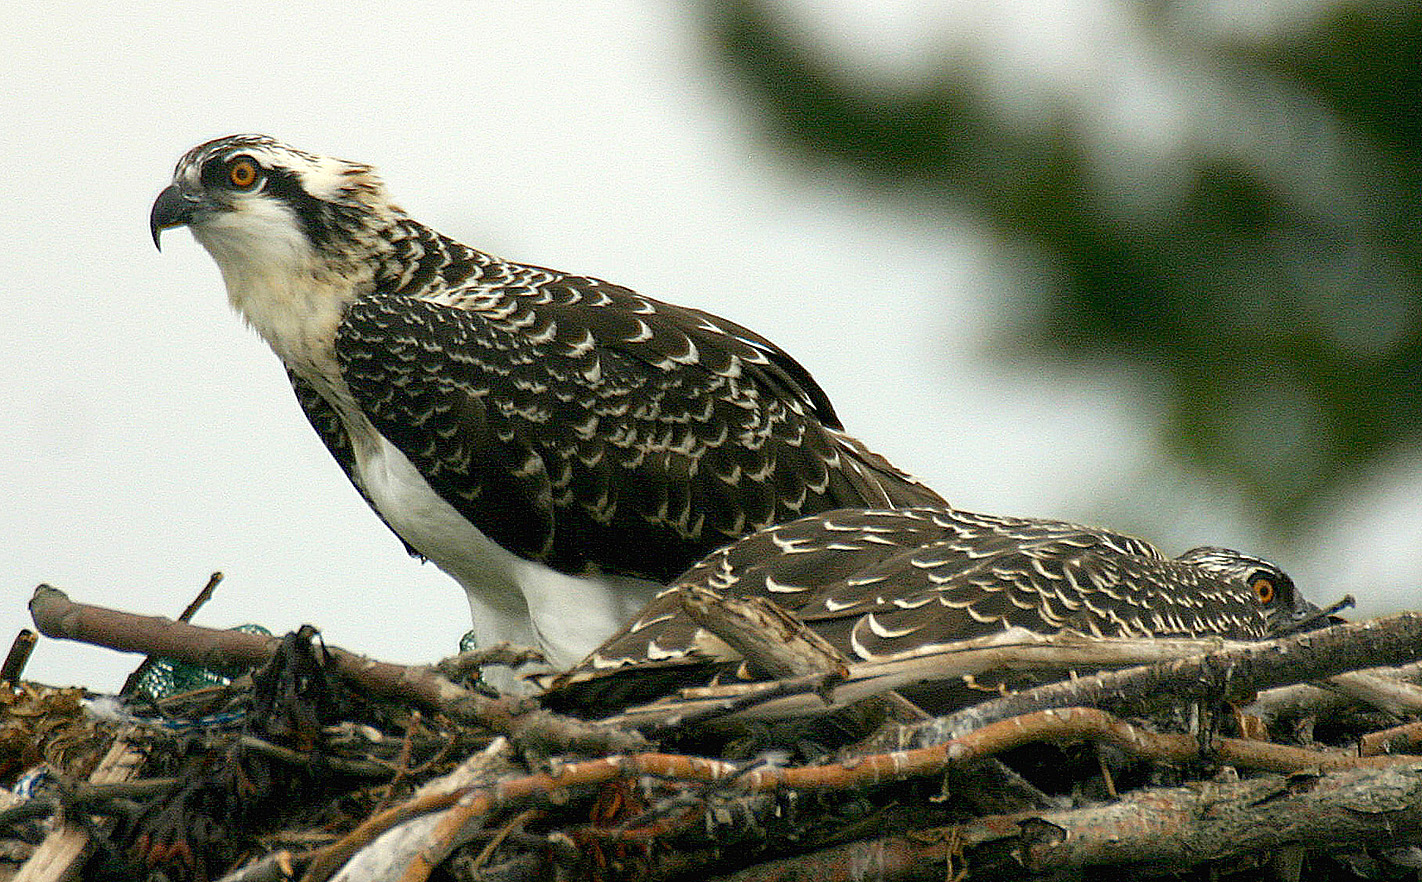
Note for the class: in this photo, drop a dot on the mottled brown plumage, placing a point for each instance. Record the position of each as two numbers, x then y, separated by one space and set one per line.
877 583
559 444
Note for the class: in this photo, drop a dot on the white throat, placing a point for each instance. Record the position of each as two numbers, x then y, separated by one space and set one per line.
279 285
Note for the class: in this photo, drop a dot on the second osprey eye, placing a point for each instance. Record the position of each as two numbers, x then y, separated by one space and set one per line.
1263 588
242 172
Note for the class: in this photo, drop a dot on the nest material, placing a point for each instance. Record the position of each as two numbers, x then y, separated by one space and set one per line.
324 765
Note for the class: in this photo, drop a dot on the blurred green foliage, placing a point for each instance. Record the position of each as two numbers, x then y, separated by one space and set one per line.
1273 304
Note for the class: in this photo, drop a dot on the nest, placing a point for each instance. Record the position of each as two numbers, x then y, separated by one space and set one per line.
1188 759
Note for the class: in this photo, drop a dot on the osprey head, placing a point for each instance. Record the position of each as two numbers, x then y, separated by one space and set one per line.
295 235
252 198
1284 607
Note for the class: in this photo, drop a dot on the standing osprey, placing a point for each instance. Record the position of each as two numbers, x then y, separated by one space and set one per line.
560 445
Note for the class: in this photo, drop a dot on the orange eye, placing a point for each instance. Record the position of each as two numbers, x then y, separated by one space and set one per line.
1263 589
242 172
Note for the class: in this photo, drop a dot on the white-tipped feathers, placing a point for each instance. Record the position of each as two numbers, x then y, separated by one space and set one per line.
559 444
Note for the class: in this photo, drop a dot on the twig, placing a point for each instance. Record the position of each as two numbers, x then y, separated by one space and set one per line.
1398 738
383 853
1305 699
66 846
1069 724
279 866
888 859
1234 673
488 850
1161 830
340 765
202 598
57 616
1016 650
18 656
819 684
1205 821
325 861
465 664
774 641
402 761
130 683
1389 694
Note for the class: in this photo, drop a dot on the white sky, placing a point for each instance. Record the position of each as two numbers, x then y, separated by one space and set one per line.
150 439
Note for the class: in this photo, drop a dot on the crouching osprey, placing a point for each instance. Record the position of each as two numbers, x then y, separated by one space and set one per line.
882 585
560 445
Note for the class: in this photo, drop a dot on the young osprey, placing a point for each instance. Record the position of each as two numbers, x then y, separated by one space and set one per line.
879 584
561 445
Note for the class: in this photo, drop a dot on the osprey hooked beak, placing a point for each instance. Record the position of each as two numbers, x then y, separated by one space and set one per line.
174 207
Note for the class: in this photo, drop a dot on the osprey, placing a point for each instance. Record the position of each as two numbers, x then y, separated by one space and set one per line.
560 445
880 584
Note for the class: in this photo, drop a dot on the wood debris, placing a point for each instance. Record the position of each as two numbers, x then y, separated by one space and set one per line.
1285 759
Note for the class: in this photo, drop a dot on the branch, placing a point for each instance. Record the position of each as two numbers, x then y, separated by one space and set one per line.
777 643
381 852
131 683
1014 650
1230 674
1284 703
18 657
56 616
464 808
770 639
1163 829
505 654
68 844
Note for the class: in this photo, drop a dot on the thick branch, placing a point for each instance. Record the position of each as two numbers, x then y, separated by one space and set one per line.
56 616
775 642
1166 828
1015 650
1231 674
770 639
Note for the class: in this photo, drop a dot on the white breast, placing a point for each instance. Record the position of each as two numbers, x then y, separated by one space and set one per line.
509 598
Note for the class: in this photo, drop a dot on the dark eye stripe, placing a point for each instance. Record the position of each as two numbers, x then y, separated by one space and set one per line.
217 172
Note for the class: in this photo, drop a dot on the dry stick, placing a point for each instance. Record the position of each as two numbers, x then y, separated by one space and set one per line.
18 656
1214 821
57 616
1231 674
1015 649
67 845
498 838
326 861
1306 699
820 684
1163 828
777 643
889 859
769 638
503 653
1397 697
1397 738
1061 725
393 849
130 683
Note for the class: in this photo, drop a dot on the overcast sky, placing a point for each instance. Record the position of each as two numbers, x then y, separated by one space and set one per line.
150 438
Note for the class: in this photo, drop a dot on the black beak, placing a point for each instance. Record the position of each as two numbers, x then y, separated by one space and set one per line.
1307 616
174 207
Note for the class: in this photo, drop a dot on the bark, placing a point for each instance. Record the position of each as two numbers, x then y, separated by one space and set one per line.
56 616
1234 674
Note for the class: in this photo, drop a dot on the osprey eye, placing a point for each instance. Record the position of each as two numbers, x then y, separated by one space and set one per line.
1263 588
242 172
